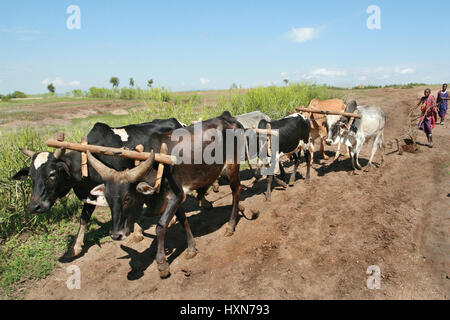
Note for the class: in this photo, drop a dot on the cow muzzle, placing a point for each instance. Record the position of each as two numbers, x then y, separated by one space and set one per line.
38 207
119 235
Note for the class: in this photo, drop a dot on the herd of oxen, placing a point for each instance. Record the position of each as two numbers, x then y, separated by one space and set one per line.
127 189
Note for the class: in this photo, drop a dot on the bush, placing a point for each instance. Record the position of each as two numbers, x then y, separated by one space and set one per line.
77 93
17 94
101 93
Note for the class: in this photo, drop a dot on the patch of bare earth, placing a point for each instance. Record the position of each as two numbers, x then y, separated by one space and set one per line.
313 241
62 112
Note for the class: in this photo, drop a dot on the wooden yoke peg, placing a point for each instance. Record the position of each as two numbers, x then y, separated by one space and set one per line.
139 148
164 150
60 136
84 162
269 133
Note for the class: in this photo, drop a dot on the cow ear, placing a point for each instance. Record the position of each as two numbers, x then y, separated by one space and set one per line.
22 174
63 165
98 190
145 188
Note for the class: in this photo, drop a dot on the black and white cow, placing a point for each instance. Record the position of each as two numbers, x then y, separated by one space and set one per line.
370 126
55 174
133 187
293 137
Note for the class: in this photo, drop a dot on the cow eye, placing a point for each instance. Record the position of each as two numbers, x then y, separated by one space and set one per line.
52 175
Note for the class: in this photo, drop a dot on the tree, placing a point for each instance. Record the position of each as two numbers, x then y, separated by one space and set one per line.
286 81
114 81
51 88
150 83
131 83
234 86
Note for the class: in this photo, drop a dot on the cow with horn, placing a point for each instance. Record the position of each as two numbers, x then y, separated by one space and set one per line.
55 174
126 190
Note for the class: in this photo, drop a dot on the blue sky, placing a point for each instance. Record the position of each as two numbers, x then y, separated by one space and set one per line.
187 45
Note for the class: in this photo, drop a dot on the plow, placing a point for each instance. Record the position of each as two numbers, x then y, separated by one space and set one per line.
410 133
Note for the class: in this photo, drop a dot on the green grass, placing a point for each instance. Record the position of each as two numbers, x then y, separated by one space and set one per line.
30 245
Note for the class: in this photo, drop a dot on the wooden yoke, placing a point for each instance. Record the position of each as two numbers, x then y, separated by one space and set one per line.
84 162
328 113
164 150
142 156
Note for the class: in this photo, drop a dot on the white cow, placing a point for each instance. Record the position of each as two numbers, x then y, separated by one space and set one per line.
371 125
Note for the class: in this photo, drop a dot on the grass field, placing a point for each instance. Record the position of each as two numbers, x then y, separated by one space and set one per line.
31 244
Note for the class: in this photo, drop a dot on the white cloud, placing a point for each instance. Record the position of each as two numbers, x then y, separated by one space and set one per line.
21 33
406 71
58 82
284 74
302 35
328 73
204 81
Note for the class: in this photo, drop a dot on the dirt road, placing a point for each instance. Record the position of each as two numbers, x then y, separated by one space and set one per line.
313 241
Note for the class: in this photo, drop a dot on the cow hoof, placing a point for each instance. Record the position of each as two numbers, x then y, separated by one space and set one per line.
136 238
241 208
190 254
205 204
325 157
164 270
215 188
228 232
75 251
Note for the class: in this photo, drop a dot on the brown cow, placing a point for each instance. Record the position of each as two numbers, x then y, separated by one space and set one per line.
320 123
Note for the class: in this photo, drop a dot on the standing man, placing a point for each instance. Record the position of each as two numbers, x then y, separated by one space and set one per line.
442 101
428 119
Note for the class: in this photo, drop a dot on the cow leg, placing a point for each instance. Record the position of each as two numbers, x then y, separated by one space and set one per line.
358 148
173 202
375 147
236 188
322 148
338 151
86 214
216 186
308 157
202 202
382 146
191 250
269 187
352 157
296 162
282 171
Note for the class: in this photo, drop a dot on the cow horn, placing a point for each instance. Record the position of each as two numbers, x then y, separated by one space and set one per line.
135 174
59 153
104 171
28 153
